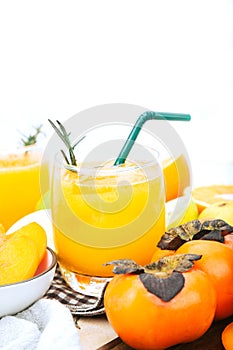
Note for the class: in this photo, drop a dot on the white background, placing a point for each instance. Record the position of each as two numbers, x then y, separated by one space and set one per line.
60 57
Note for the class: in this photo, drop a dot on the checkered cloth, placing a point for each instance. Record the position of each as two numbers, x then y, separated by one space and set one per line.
78 304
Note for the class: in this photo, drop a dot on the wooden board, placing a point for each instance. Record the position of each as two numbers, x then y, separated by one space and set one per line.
211 340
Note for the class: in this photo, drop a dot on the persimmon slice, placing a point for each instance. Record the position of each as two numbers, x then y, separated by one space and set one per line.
206 195
18 260
36 233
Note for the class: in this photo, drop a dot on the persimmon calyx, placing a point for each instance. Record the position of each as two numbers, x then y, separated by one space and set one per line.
163 278
123 266
209 230
171 263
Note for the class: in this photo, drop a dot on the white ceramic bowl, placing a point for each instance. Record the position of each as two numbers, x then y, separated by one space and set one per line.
18 296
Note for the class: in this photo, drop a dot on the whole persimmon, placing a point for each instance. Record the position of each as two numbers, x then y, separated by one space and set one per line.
161 304
227 337
217 262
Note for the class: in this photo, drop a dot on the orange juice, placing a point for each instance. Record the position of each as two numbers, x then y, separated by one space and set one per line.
19 184
105 213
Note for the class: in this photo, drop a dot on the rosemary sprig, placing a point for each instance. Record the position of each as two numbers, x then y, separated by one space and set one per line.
31 139
65 137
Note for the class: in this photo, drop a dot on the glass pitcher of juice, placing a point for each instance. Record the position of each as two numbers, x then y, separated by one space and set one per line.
19 183
101 213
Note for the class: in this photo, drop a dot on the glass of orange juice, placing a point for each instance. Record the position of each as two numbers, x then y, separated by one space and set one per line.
19 183
102 212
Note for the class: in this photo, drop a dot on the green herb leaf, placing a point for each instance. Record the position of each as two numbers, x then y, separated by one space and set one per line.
65 137
31 139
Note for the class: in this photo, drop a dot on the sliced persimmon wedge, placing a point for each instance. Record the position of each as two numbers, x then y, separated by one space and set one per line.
18 259
36 233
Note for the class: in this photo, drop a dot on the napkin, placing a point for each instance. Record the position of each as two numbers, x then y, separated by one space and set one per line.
78 303
46 325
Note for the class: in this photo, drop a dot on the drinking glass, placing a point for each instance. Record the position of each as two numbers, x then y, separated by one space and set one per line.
19 183
102 212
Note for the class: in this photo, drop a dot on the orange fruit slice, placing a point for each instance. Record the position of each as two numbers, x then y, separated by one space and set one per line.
18 259
36 233
176 177
207 195
227 337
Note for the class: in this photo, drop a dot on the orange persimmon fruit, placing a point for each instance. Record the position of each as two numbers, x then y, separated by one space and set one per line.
143 319
36 233
217 263
227 337
18 259
160 253
228 240
21 252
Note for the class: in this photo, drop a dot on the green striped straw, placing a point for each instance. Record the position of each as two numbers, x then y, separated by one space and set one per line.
148 115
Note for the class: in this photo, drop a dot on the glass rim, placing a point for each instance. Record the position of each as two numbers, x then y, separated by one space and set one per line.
102 167
10 157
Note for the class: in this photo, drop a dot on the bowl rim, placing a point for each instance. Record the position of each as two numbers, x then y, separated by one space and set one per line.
48 269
